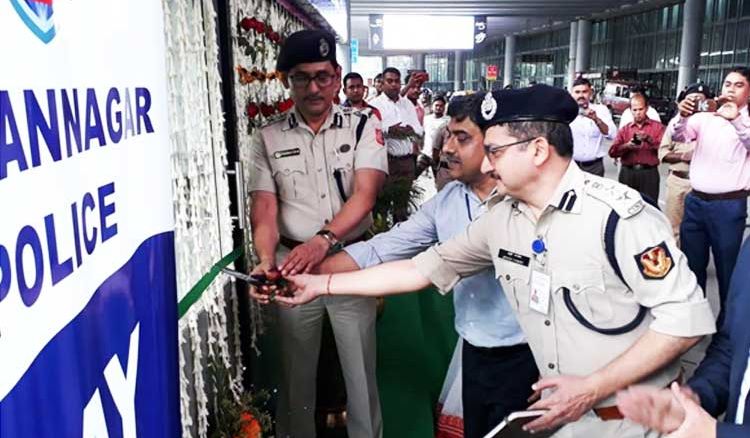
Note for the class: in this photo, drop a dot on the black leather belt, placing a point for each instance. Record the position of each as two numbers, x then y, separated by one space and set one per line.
589 163
681 174
737 194
639 167
291 243
401 157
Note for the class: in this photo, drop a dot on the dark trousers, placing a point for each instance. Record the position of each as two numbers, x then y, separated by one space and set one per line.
645 180
717 225
402 170
595 167
496 381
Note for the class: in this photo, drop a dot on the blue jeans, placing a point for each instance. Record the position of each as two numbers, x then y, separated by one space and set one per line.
718 225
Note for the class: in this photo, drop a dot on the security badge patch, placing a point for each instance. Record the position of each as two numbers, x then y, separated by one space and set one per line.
489 106
655 262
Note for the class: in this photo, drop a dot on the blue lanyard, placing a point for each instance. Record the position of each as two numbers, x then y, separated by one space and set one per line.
468 208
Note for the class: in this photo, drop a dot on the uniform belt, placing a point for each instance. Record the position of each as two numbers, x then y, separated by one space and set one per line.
291 243
639 166
608 413
681 174
737 194
589 163
401 157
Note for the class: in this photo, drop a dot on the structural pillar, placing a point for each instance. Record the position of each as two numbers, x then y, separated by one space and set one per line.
344 57
510 60
690 48
384 61
458 71
583 46
572 53
418 60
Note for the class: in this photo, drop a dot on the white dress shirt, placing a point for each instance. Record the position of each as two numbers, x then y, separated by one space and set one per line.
627 116
587 138
744 389
431 125
394 113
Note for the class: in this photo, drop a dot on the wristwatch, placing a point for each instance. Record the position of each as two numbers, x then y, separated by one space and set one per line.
334 244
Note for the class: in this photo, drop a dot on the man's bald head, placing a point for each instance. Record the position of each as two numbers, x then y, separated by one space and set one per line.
639 107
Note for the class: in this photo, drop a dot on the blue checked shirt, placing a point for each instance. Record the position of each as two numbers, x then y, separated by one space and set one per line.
483 316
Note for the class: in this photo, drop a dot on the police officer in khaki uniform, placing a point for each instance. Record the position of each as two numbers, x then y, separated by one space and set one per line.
315 175
602 292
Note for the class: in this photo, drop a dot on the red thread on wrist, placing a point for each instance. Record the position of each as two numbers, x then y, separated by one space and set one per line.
328 284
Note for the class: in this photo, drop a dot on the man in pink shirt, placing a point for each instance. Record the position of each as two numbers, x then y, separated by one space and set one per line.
716 208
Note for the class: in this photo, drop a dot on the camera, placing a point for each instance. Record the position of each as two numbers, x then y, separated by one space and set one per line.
636 139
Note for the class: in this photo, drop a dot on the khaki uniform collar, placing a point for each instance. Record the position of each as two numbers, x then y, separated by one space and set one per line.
334 120
569 192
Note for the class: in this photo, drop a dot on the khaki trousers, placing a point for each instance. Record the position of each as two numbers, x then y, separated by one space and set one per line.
677 189
591 426
300 332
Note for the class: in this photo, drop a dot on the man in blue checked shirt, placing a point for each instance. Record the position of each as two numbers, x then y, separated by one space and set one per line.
498 368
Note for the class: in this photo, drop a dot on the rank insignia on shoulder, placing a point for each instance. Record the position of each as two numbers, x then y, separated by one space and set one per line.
621 198
655 262
286 153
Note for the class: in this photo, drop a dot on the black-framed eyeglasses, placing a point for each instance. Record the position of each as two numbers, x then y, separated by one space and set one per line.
491 151
322 79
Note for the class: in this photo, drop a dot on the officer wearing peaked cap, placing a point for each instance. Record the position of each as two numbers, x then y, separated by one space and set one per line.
599 287
315 174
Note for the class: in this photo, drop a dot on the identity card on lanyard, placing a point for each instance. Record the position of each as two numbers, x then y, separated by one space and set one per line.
540 282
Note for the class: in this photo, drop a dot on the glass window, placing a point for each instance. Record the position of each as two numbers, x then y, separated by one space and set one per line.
727 55
733 8
742 43
746 8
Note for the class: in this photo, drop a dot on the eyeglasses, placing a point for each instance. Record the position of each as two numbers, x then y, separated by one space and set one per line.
322 80
491 152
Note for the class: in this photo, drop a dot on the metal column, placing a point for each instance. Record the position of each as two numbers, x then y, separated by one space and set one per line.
692 29
510 59
572 53
583 46
458 71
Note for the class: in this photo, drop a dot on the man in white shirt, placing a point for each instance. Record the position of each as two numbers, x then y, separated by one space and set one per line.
432 123
593 124
401 129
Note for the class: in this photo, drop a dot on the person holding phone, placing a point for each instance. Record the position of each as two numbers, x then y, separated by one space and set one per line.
592 126
637 147
716 208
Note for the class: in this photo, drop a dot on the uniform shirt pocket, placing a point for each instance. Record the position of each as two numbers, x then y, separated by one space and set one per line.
515 281
290 174
587 294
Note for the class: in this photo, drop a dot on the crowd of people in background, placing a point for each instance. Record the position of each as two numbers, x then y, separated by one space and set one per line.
546 150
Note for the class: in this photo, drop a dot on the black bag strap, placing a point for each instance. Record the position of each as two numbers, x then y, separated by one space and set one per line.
360 128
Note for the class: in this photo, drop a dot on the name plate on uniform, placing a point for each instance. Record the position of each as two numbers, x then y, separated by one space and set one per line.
513 257
287 153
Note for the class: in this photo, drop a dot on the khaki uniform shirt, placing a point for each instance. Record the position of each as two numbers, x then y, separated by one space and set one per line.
296 164
668 145
572 228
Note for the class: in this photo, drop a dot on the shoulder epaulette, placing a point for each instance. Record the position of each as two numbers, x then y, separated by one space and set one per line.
276 118
621 198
